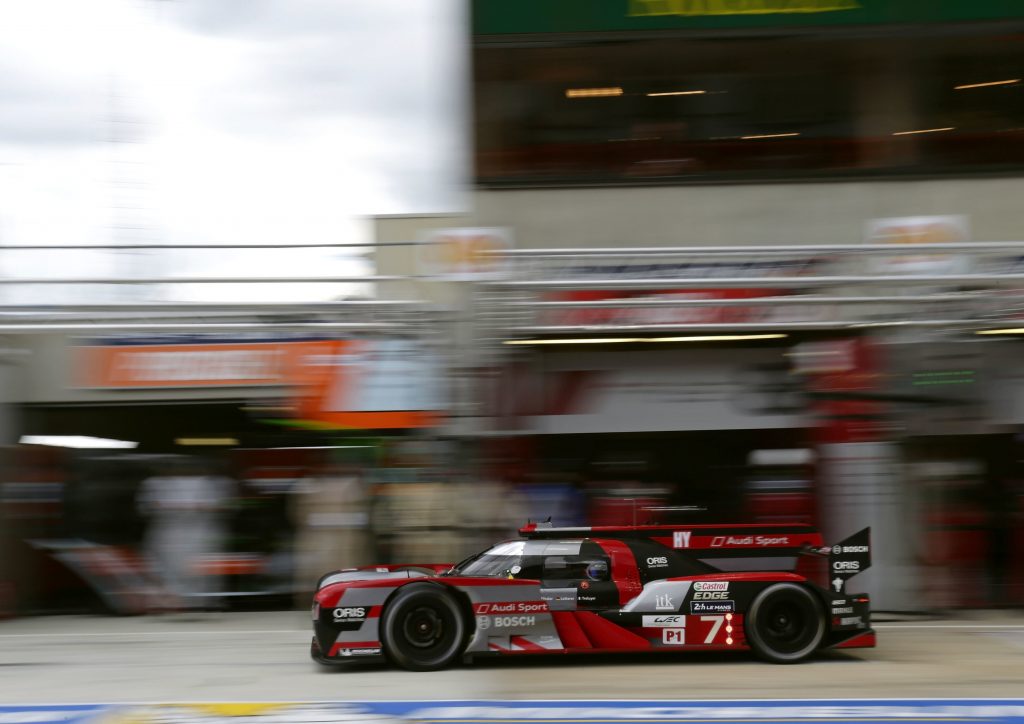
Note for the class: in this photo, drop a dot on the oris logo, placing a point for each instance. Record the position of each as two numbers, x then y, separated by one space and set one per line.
846 565
348 614
657 561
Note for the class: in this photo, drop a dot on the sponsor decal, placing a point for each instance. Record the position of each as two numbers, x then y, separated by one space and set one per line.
845 565
681 538
663 602
747 541
359 652
849 549
673 636
664 621
512 607
483 622
514 621
851 621
585 585
841 610
711 586
712 606
657 561
710 595
349 614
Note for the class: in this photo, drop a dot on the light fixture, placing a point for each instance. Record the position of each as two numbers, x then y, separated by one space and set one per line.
596 340
208 441
924 130
593 92
1013 330
989 84
768 135
633 340
677 93
717 338
77 441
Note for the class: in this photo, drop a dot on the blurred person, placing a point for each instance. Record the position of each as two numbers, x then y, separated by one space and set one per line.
187 511
329 513
486 510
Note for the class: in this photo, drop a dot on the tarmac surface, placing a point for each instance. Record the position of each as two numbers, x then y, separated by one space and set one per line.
264 657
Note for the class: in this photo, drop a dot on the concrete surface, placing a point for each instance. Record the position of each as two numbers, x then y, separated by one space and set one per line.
264 657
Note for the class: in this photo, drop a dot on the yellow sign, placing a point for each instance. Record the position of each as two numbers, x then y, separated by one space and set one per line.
697 8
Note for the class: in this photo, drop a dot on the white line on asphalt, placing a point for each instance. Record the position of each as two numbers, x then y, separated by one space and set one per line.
153 633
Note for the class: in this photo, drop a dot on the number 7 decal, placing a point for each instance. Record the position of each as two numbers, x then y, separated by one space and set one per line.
715 628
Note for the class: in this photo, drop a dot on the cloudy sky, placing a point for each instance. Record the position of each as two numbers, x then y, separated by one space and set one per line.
222 121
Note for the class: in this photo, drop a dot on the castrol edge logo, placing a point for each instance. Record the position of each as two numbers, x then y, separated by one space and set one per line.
493 609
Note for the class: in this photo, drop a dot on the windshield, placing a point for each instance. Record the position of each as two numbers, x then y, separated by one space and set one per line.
504 559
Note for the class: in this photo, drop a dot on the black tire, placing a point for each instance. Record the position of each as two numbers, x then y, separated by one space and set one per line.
423 628
785 623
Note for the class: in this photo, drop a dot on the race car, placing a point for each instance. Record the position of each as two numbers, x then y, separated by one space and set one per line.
602 589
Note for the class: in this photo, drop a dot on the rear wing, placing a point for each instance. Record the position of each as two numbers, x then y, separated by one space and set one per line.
847 558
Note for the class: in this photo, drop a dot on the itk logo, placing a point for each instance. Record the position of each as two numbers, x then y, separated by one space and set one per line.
663 602
681 538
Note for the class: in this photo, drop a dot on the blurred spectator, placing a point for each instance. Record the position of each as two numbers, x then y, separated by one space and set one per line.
187 510
329 512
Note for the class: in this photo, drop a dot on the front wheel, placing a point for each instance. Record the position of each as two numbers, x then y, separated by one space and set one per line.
423 628
785 623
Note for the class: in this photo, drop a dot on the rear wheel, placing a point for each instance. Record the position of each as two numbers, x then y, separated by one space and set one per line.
423 628
785 623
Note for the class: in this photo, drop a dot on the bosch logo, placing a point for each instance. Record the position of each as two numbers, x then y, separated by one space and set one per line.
837 549
341 614
852 549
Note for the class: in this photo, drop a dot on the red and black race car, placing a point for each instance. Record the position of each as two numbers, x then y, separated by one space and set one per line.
602 589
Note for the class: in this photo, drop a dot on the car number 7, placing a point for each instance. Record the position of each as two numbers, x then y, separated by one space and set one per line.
715 627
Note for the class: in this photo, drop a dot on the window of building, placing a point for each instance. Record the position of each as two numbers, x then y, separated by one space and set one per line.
645 109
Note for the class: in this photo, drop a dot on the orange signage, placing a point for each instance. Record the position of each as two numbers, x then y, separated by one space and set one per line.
236 364
385 384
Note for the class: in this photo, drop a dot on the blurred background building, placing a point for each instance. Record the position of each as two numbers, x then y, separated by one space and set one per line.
701 281
751 260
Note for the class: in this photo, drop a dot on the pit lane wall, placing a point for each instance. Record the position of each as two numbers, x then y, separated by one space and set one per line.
508 712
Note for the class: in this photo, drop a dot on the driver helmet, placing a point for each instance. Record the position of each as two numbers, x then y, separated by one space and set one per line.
597 570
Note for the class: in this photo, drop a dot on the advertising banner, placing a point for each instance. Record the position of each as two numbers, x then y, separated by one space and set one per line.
702 314
373 384
193 363
499 17
335 383
463 254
